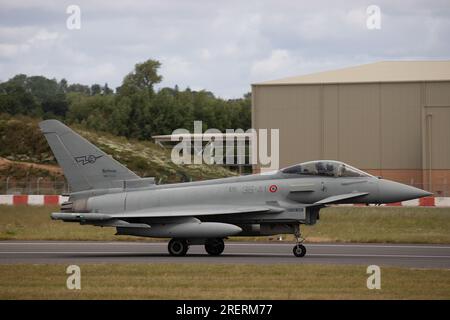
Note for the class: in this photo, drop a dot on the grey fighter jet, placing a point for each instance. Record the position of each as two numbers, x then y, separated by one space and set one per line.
105 193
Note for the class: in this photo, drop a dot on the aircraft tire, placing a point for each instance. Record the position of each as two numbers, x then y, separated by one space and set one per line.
214 247
178 247
299 250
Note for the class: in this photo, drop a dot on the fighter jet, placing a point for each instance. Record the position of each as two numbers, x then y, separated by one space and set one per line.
105 193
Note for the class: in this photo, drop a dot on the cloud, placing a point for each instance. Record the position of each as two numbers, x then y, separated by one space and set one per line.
278 63
9 50
220 46
43 35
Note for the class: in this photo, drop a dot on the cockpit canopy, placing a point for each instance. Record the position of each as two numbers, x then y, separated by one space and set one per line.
325 168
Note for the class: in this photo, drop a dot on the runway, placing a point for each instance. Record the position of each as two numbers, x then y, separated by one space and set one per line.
49 252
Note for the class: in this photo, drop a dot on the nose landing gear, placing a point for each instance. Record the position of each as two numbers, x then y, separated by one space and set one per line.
299 249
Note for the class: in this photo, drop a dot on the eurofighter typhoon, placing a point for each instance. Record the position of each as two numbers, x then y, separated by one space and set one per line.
105 193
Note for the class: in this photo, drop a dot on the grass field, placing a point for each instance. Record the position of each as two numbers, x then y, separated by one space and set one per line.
200 281
337 224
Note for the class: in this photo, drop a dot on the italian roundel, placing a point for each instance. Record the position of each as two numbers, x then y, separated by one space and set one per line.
273 188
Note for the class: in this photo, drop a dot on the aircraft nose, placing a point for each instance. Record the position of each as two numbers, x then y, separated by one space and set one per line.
391 191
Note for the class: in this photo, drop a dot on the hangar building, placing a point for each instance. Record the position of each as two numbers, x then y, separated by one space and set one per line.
391 119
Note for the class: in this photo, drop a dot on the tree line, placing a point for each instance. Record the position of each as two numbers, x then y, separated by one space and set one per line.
135 109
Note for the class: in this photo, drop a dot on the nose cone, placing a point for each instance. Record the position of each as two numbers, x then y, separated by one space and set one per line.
391 191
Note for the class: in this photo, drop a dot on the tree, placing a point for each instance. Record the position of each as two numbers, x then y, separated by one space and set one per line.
93 111
134 110
137 88
144 77
48 95
96 89
16 99
76 87
34 95
63 85
106 90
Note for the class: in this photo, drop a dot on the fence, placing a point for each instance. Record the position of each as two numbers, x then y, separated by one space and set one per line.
32 186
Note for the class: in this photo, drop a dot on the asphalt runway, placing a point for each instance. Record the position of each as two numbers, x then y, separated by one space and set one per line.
49 252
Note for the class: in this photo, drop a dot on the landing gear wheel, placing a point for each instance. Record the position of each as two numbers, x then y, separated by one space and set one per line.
178 247
214 247
299 250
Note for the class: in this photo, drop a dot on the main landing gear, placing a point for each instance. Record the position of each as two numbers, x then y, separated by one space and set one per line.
299 249
214 247
179 247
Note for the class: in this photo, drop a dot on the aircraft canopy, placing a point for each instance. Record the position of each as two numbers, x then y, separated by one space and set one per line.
327 168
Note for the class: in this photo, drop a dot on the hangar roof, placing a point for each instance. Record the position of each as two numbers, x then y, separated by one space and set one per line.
384 71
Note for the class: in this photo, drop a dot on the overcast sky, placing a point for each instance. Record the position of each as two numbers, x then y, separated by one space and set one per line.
221 46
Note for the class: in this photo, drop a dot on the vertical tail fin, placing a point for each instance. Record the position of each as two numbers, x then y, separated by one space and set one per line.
85 166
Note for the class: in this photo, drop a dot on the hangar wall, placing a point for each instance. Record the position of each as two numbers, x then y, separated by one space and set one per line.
399 130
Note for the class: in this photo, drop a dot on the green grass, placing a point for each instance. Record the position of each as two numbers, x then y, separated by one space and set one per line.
34 223
343 224
200 281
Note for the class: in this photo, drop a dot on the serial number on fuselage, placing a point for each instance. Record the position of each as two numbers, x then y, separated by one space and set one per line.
248 189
